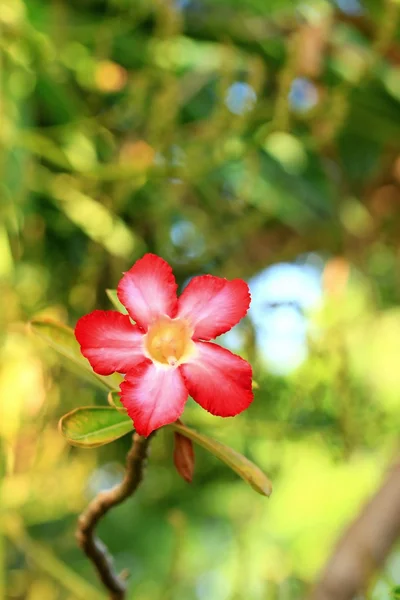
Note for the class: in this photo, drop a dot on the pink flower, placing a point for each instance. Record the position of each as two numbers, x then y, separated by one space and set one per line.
167 354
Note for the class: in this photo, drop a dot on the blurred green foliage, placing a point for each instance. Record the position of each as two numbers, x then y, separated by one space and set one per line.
225 136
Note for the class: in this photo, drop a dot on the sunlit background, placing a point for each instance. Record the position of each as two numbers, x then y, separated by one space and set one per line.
241 138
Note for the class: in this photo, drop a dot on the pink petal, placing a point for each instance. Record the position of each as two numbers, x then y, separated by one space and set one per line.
218 380
153 396
109 341
148 290
213 305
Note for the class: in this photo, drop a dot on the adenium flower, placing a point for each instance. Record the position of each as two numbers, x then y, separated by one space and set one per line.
166 355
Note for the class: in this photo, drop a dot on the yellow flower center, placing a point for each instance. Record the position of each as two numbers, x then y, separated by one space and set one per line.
169 341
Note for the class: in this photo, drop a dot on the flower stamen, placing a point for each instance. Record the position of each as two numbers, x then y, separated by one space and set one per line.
169 341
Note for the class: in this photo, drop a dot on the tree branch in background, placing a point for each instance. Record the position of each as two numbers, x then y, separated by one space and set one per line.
93 547
365 544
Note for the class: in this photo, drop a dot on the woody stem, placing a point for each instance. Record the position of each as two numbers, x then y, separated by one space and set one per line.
93 547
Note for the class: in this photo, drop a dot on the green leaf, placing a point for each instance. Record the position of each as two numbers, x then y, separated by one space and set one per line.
237 462
112 295
62 338
93 426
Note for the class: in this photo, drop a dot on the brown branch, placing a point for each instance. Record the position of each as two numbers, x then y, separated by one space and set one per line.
364 546
93 547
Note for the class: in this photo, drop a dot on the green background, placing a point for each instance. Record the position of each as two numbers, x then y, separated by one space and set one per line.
226 136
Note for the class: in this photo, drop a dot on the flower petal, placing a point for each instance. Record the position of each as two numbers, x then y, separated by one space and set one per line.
218 380
213 305
109 341
153 396
148 290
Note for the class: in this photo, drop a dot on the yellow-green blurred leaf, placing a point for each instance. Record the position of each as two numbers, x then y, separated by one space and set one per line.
62 338
44 147
93 426
112 294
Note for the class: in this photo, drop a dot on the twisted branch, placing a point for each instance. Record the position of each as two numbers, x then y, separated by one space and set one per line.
92 546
